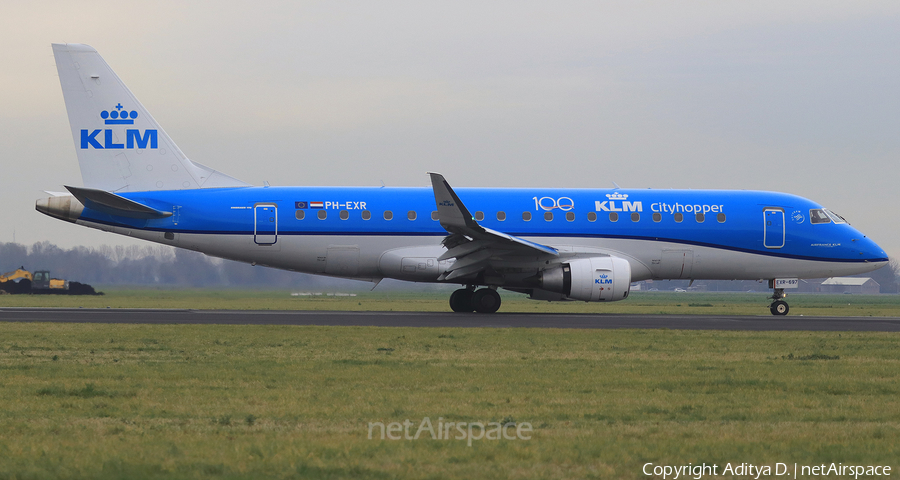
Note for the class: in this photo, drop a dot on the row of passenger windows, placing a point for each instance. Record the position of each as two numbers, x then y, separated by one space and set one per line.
526 216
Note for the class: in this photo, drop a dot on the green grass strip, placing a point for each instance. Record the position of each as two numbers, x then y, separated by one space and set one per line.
210 401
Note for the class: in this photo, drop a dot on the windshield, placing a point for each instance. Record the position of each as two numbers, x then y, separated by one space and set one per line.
835 217
818 216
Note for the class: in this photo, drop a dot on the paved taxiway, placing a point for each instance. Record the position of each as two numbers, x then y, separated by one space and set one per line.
440 319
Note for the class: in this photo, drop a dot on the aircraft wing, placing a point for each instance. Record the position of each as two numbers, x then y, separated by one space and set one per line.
473 246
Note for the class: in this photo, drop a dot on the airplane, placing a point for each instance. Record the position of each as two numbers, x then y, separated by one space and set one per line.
551 244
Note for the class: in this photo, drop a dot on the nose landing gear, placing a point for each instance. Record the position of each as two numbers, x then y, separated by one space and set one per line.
779 306
485 300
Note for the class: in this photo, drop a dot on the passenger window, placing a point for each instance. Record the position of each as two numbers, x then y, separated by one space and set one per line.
657 217
570 216
721 218
344 214
366 214
301 214
526 216
479 216
388 215
635 217
613 217
700 217
411 214
818 216
592 216
322 214
679 217
434 215
501 216
548 216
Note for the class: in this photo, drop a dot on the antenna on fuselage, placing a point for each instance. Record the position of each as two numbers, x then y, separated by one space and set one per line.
617 185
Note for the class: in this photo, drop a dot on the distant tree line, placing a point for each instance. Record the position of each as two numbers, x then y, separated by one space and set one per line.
155 265
162 265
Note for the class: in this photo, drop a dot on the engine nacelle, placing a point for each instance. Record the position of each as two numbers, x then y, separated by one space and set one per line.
594 279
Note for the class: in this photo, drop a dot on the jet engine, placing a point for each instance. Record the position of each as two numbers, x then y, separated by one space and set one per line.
594 279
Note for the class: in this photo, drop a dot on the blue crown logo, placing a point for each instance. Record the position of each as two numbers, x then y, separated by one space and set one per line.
118 116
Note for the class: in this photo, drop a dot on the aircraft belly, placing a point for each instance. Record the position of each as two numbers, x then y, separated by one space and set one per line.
340 256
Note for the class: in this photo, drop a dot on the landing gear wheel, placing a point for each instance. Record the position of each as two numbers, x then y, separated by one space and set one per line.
461 300
486 300
779 307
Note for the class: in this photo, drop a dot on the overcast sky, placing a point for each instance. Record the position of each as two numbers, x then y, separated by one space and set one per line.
799 97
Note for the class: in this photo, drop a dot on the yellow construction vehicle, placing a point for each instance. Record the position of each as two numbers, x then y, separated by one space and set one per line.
39 282
17 274
8 282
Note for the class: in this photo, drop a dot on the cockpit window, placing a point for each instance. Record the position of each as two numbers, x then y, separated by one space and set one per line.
835 217
818 216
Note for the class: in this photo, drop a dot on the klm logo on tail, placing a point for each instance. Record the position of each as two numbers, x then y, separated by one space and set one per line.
134 138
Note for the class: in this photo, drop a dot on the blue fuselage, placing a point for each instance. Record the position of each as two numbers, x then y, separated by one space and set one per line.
761 223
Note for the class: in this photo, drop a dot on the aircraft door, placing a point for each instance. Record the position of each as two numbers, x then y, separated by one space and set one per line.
773 227
265 217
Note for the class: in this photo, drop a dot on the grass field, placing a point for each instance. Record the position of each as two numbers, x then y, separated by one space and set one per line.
210 401
207 401
703 303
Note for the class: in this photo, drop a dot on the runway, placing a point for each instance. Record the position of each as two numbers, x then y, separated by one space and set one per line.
442 319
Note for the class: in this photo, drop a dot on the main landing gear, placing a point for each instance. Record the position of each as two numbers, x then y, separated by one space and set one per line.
779 306
484 300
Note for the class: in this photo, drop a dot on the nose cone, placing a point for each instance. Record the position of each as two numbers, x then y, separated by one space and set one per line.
871 252
65 207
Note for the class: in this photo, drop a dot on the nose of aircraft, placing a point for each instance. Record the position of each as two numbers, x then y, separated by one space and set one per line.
870 251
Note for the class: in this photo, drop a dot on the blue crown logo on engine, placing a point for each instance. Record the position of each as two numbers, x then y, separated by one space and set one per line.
118 116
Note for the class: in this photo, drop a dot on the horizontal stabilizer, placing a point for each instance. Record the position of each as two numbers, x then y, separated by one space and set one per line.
113 204
56 194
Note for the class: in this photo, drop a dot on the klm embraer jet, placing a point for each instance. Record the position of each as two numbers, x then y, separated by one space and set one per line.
550 244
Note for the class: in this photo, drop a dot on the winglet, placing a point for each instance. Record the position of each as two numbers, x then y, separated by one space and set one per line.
455 218
451 212
113 204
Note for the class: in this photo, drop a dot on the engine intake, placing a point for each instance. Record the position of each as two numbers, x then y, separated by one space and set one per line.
594 279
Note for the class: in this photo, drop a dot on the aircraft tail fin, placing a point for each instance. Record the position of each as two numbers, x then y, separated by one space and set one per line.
120 146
